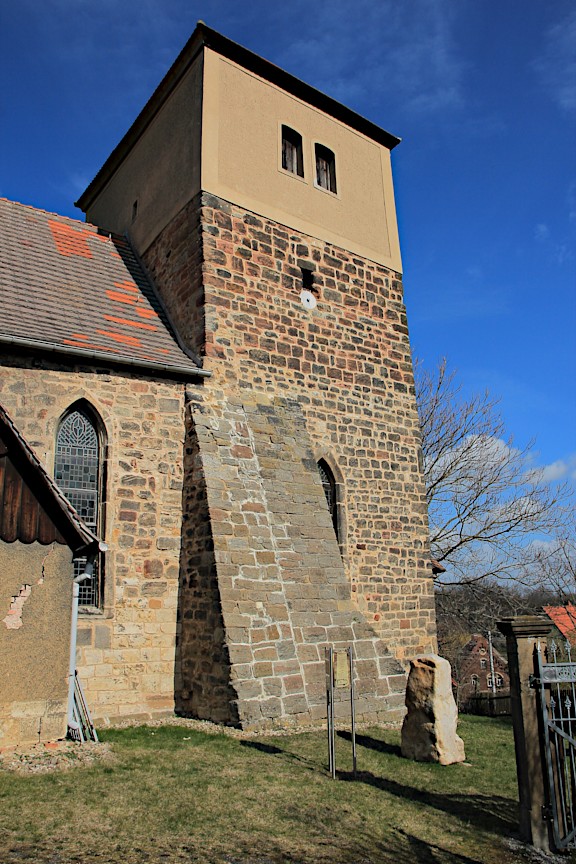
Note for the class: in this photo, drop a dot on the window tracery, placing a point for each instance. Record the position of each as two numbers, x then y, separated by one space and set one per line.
78 473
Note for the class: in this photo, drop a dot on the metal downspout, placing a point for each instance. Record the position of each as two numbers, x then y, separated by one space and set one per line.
88 571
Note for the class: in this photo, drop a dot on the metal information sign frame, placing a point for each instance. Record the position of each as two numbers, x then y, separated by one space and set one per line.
339 675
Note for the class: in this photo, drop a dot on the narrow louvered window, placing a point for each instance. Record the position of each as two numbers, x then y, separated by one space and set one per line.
78 473
330 491
292 157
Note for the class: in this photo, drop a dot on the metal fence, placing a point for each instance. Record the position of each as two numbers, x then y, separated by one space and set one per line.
488 705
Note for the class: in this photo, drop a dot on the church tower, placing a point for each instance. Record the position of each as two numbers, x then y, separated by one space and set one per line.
264 212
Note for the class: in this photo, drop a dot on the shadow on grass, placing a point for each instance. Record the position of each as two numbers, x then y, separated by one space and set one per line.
271 750
371 743
490 812
429 853
403 848
493 813
263 748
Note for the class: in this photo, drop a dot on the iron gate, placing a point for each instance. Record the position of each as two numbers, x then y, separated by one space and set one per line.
555 680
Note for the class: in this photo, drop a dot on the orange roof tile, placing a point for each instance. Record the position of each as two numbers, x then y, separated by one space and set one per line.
128 323
69 240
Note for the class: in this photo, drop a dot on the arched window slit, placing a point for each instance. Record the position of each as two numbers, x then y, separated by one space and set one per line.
331 493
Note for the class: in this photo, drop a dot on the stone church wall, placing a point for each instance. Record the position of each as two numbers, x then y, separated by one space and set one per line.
203 686
224 578
348 365
281 589
126 654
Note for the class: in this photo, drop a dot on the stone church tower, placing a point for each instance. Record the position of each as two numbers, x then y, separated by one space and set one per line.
263 212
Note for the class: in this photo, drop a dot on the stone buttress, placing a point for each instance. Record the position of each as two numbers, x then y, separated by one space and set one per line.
278 585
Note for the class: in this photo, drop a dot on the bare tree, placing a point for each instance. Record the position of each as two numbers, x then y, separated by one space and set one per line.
553 563
478 606
486 500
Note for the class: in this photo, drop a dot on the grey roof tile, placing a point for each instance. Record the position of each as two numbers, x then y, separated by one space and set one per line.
65 286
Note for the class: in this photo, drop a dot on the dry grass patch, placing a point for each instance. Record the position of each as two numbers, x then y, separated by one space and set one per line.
176 794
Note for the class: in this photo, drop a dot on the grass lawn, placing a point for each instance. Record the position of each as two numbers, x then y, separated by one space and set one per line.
174 794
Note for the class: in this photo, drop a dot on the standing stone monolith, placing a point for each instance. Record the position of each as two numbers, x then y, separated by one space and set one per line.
429 728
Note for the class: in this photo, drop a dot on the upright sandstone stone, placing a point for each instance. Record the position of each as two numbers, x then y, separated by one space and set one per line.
429 728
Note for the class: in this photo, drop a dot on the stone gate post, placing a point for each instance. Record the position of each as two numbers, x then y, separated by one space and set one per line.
522 633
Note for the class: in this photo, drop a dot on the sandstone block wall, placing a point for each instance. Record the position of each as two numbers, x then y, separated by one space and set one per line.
224 580
179 266
348 365
126 651
275 573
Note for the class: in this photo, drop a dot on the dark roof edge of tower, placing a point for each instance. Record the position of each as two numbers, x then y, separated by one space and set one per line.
204 36
80 539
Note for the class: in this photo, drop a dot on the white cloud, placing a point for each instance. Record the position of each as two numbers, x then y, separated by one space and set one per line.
563 253
471 458
407 51
556 66
555 471
78 182
561 469
560 252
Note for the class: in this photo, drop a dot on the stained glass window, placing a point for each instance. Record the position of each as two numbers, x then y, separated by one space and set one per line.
329 486
77 473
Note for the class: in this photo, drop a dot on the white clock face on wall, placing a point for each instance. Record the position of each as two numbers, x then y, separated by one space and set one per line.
308 299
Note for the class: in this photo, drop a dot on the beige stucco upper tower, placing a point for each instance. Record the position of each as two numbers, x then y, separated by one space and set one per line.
217 123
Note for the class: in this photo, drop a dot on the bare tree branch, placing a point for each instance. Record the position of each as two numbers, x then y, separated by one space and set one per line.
553 562
486 501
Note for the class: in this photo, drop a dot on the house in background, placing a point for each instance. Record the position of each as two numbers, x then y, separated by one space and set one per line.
224 346
475 676
40 535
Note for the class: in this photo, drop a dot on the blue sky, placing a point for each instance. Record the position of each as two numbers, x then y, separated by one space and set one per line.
483 94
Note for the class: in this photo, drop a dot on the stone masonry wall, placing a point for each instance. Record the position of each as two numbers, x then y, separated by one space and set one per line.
126 653
179 265
348 365
281 589
203 686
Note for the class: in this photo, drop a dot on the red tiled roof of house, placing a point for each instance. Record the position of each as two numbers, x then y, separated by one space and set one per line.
564 618
65 287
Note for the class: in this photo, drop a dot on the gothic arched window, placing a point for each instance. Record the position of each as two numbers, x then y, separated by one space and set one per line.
78 473
331 493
